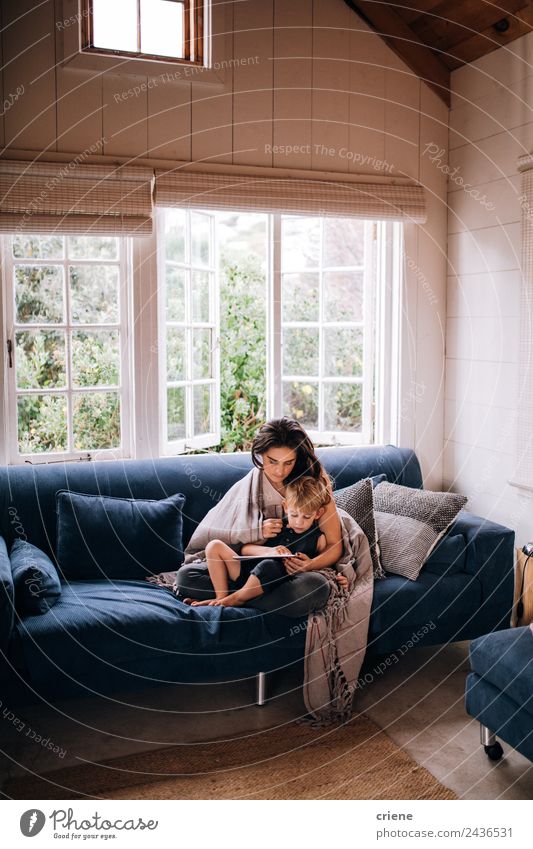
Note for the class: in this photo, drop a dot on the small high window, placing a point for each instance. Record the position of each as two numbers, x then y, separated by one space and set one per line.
148 29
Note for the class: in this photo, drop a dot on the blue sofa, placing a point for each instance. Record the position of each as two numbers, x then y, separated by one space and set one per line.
103 635
499 690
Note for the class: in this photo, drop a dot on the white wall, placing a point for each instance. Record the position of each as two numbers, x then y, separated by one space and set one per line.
491 125
322 81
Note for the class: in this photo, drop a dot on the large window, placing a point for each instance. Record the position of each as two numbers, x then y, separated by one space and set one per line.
67 345
148 29
230 317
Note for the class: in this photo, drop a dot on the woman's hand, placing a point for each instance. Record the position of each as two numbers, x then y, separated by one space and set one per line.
271 528
297 564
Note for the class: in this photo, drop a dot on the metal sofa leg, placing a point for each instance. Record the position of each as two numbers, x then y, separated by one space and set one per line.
260 688
488 740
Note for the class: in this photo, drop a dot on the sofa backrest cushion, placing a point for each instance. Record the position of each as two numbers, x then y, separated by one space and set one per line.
35 578
7 596
449 555
122 538
28 492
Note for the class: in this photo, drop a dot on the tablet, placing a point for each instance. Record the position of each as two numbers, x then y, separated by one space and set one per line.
273 556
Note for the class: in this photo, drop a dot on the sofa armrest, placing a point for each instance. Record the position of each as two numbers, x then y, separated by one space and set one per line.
7 597
490 557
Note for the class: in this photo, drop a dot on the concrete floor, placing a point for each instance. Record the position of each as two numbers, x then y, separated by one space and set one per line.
418 701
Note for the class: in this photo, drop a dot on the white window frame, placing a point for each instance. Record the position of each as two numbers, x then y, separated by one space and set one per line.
190 442
388 333
275 333
124 388
215 70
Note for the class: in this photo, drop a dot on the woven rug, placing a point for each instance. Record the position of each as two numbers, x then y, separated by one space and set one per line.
293 761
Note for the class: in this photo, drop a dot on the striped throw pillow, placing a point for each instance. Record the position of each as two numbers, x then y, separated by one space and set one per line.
409 524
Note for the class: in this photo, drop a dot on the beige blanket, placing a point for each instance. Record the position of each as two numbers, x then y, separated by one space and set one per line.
336 636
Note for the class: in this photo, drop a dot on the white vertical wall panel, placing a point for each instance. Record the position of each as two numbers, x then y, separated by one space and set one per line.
293 45
169 120
29 60
491 126
331 84
253 73
79 110
125 120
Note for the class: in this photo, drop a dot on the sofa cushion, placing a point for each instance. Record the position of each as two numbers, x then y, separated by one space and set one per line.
133 625
117 537
357 501
399 603
505 659
409 523
7 596
448 557
35 578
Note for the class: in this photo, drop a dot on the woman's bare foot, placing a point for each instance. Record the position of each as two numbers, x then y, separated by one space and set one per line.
209 601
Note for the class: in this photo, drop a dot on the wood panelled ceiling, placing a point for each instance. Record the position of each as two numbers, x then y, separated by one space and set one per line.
434 37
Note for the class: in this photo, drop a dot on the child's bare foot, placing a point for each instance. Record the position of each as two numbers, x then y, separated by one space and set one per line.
342 581
232 600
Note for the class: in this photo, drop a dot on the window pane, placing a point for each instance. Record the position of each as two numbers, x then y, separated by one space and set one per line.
343 352
300 351
300 402
95 358
175 234
42 423
343 295
115 24
40 357
39 294
176 354
176 413
300 297
344 241
201 239
38 247
96 421
243 333
176 280
300 243
343 406
202 410
200 295
201 354
92 247
162 28
94 294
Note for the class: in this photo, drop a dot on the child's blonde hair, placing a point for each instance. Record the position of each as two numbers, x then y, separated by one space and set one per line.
308 492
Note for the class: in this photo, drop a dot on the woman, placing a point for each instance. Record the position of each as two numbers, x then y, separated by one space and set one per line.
281 452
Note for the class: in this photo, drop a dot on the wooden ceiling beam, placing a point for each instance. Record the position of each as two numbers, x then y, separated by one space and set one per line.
410 10
454 21
489 40
406 44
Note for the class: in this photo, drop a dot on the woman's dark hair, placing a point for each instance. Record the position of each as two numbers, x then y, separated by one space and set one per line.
287 433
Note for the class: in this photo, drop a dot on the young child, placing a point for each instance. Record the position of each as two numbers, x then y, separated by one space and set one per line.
304 504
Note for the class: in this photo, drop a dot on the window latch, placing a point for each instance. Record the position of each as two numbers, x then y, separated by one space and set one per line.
9 345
